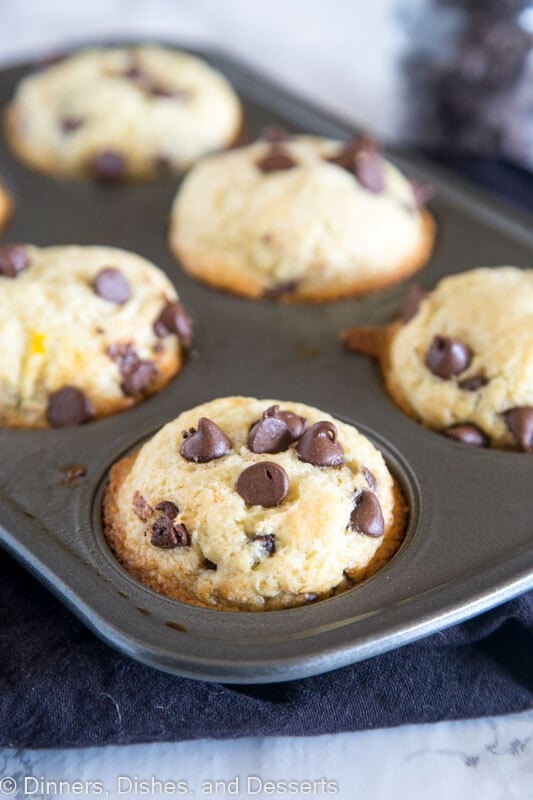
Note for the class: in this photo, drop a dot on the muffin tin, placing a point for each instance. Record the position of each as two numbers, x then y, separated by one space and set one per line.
469 542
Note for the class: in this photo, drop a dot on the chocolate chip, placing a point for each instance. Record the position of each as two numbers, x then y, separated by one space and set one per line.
209 564
280 289
206 443
367 516
275 133
275 161
270 434
145 82
135 73
13 259
370 479
263 484
70 124
412 302
520 422
363 159
422 192
268 542
467 433
319 446
137 374
111 284
296 424
275 431
108 166
142 507
474 383
158 90
174 319
168 536
447 357
68 406
168 509
138 378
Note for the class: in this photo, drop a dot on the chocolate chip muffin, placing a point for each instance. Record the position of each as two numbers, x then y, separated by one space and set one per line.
84 332
300 218
5 205
122 112
245 504
461 360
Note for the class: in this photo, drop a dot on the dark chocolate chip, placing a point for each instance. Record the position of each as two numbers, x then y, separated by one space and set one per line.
520 422
68 406
174 319
109 167
280 289
270 434
467 433
209 564
268 542
474 383
274 133
423 192
13 259
319 446
124 354
182 535
70 124
112 285
412 302
275 161
276 429
135 73
158 90
142 507
363 159
136 374
168 508
296 424
145 82
367 516
447 357
263 484
370 479
168 536
137 377
206 443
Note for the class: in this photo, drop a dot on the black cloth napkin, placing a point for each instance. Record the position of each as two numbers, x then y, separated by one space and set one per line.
61 687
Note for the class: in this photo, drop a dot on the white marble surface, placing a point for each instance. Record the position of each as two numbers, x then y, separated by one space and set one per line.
343 54
491 759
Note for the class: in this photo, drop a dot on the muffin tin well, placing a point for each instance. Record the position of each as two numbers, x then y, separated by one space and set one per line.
469 543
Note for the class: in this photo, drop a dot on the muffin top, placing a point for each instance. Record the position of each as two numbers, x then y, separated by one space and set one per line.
464 362
303 218
252 504
84 332
122 112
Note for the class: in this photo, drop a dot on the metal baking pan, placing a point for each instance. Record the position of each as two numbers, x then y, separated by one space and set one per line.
469 543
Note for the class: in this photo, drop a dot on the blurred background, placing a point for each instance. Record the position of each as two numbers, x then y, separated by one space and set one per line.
447 75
